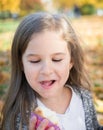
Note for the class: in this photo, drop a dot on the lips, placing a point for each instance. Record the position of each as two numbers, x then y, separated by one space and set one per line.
47 84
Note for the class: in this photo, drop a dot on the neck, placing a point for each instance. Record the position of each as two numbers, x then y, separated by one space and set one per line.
59 103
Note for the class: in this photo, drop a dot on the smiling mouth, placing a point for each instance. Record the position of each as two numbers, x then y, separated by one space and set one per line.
47 84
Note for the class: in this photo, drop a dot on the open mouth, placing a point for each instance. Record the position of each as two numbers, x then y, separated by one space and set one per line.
47 84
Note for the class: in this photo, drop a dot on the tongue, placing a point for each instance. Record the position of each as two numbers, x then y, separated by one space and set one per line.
46 84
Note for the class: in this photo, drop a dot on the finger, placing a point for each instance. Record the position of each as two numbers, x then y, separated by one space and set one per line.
51 128
32 123
43 124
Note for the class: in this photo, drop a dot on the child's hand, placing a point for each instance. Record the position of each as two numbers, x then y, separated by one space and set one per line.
42 126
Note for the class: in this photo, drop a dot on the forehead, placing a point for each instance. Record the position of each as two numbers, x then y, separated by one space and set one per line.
47 41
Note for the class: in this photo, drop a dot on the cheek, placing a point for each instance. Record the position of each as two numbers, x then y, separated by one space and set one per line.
30 69
29 76
30 73
64 71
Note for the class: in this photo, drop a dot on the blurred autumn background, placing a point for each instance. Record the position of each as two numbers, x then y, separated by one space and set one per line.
87 19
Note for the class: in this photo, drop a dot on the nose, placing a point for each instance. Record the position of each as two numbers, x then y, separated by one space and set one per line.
46 68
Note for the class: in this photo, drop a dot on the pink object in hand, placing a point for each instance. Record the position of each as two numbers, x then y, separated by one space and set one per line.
40 118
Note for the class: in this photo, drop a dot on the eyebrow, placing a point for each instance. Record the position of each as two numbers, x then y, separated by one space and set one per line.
28 55
58 53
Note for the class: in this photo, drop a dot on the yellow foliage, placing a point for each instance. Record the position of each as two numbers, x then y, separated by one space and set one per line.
11 5
4 76
98 105
70 3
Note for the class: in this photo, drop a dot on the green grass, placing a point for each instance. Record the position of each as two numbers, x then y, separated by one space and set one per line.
7 29
8 25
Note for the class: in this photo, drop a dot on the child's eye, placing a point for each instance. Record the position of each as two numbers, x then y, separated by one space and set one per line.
35 61
57 60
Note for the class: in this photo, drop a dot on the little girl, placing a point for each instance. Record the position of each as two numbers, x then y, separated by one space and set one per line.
48 70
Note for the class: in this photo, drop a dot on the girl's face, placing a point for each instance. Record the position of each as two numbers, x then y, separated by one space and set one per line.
47 63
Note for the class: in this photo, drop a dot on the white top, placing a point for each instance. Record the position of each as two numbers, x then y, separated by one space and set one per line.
73 118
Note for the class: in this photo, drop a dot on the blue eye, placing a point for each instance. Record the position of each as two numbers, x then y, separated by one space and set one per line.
37 61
